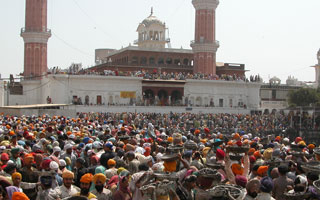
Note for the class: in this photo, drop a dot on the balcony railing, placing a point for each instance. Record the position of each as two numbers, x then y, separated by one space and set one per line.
38 30
216 42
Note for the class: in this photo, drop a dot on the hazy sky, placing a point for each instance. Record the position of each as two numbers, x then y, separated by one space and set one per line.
272 37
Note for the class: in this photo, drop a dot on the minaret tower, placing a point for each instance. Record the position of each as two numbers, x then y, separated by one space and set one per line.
205 45
317 68
35 35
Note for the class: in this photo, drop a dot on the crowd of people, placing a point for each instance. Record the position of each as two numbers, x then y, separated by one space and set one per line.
133 156
163 75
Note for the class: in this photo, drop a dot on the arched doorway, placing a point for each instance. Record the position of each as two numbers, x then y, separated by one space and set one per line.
110 102
148 97
163 97
86 100
198 101
176 97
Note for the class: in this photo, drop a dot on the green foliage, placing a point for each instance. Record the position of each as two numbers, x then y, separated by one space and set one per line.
304 97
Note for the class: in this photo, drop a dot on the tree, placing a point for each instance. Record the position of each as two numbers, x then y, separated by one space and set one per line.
304 97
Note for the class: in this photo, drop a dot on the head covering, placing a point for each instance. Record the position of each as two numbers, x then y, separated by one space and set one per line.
54 165
298 139
87 178
67 174
62 163
28 159
15 175
220 154
120 169
101 177
4 157
56 149
15 150
267 153
46 164
252 159
68 146
262 170
11 190
19 196
241 180
252 183
257 154
266 184
311 146
237 169
170 166
111 162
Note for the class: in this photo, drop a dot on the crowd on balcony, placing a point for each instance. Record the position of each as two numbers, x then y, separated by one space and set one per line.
155 75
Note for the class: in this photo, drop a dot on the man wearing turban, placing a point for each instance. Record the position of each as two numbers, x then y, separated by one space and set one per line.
19 196
85 183
100 191
236 169
67 189
262 171
266 186
29 174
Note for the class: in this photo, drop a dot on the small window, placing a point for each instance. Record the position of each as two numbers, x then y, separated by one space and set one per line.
134 60
151 61
185 61
160 61
143 60
220 102
177 61
274 94
230 103
169 61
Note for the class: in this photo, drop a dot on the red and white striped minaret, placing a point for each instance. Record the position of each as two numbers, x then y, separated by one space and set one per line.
35 35
205 45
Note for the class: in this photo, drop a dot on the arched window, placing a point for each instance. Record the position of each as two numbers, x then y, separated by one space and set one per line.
143 60
169 61
177 61
160 61
151 61
185 61
134 60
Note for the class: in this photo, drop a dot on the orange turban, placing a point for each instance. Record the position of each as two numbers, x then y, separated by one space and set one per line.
237 169
170 139
67 174
230 143
236 136
111 162
261 170
197 131
101 177
278 138
311 146
203 141
69 133
15 175
19 196
11 133
257 154
170 166
251 151
87 178
28 158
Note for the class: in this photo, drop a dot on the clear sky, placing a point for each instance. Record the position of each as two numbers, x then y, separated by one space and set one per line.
272 37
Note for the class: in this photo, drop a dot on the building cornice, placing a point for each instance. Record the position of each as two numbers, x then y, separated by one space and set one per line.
35 37
204 47
205 4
